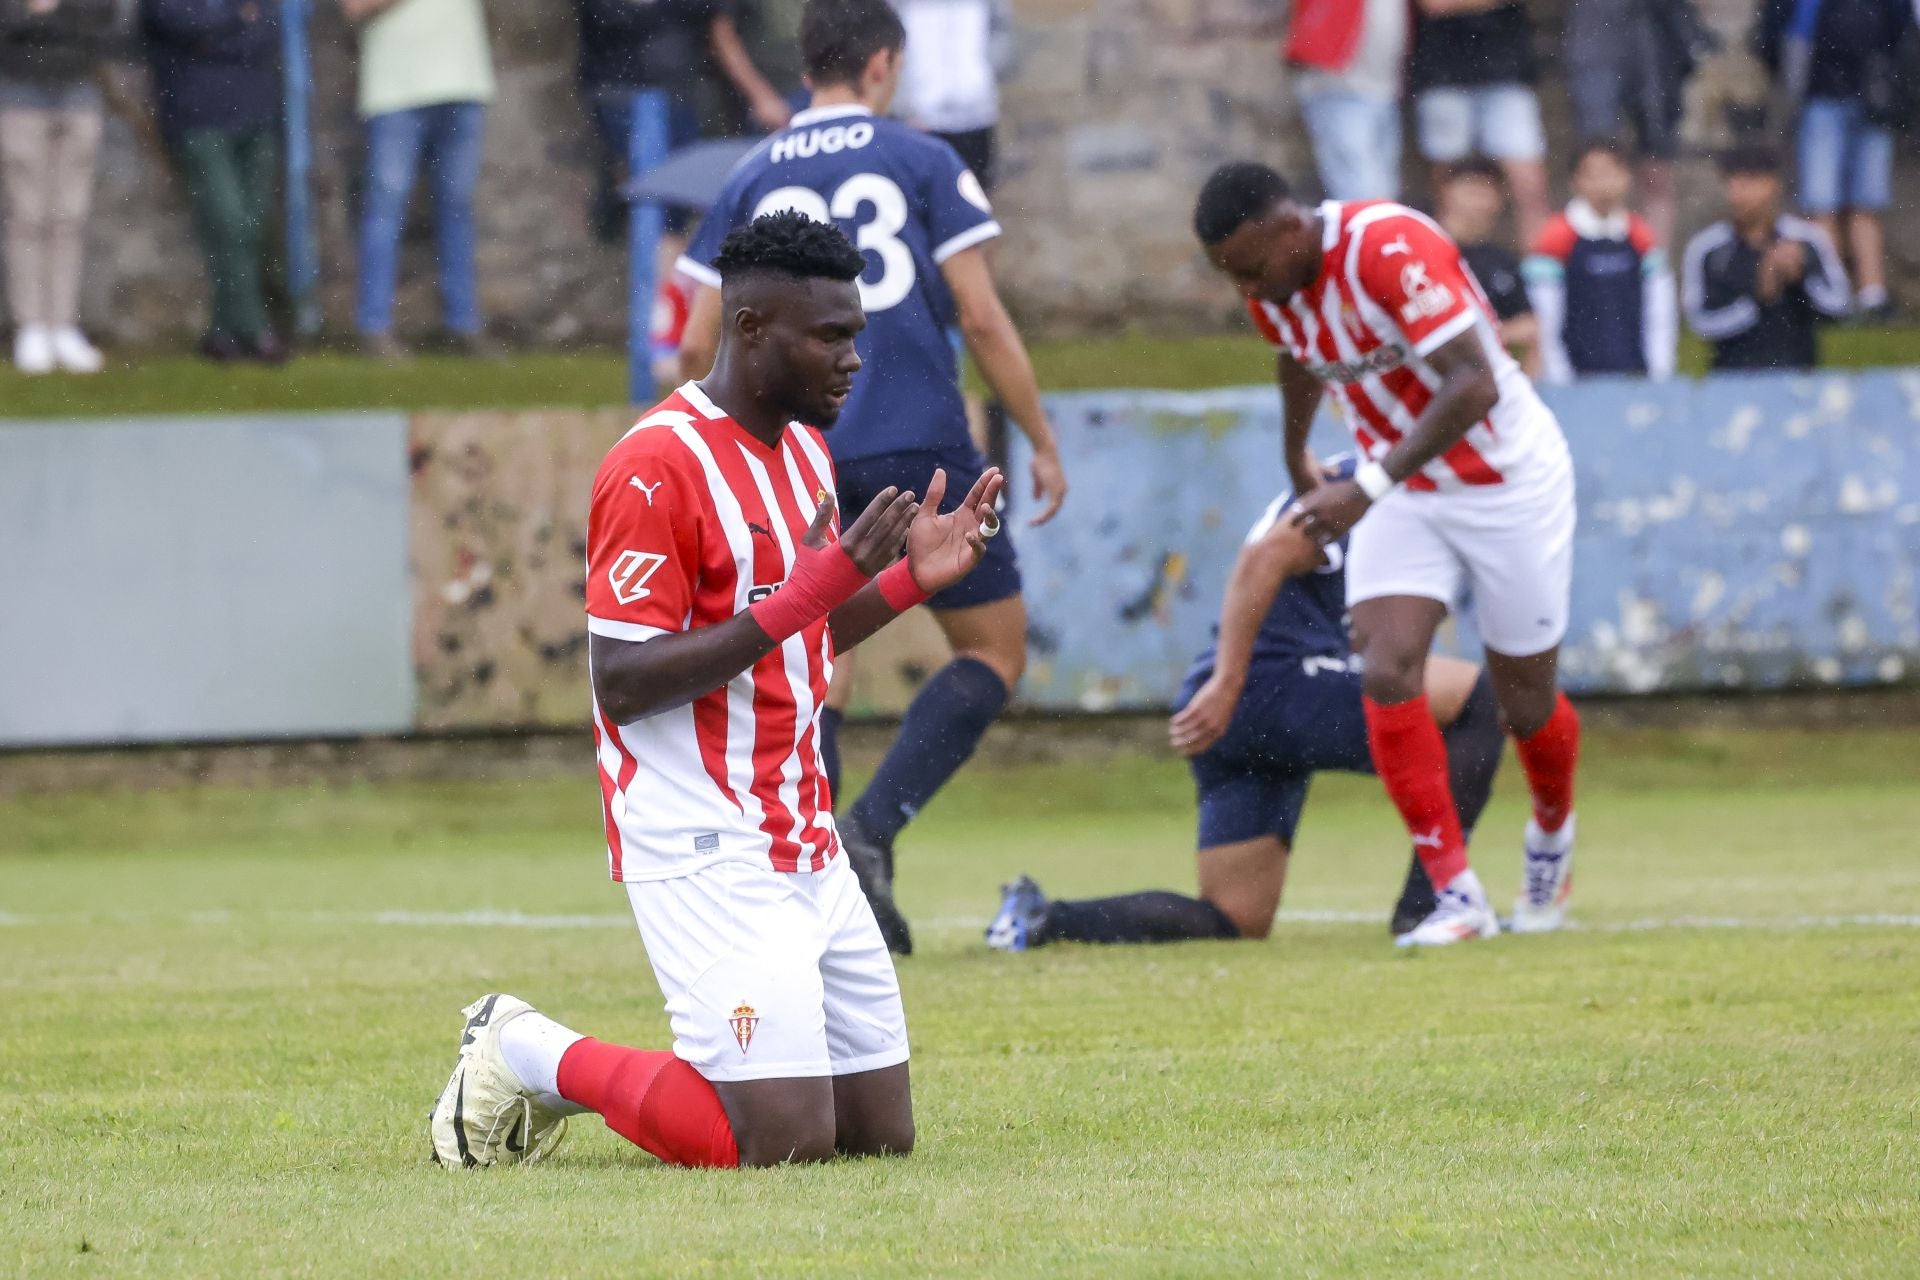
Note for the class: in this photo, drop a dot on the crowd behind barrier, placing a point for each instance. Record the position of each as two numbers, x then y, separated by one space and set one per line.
1598 287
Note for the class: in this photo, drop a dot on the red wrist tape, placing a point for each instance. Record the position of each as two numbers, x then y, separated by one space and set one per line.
898 588
823 579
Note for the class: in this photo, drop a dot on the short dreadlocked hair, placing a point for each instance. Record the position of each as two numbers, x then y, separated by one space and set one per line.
789 244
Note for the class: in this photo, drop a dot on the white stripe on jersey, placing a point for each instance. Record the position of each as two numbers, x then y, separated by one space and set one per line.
803 494
741 720
793 656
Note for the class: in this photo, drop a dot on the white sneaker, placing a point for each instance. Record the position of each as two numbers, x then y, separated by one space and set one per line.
485 1116
33 349
74 353
1463 913
1548 883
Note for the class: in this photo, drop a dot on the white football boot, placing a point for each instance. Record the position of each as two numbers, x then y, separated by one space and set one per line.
485 1116
1463 913
1548 880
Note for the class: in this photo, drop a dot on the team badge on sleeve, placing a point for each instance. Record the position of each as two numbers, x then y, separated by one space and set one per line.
743 1021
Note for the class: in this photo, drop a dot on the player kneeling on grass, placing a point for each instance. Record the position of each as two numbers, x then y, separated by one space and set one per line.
717 596
1274 700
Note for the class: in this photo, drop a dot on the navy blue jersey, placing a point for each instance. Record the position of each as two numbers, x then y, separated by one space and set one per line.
910 203
1309 615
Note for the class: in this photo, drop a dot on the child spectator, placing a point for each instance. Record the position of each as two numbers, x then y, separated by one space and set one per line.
219 91
1472 76
1348 59
1828 52
426 76
1471 204
1628 63
50 122
1757 284
1600 282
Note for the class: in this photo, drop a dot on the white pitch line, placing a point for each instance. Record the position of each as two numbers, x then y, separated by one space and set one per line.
936 924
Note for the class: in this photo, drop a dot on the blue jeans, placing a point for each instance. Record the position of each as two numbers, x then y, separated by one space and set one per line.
612 111
1845 162
448 137
1356 144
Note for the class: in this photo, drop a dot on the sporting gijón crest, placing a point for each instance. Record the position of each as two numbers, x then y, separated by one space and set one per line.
743 1021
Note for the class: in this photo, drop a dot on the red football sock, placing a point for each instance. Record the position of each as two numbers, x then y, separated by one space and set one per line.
1549 757
653 1100
1411 759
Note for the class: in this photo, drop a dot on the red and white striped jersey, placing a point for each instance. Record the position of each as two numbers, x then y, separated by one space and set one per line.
692 520
1392 289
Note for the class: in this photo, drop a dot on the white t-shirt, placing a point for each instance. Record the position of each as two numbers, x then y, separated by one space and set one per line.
947 81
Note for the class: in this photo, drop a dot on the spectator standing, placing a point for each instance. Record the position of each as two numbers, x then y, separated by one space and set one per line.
50 125
426 76
1829 54
630 45
219 89
1757 284
1472 76
950 74
1349 61
1470 206
1627 65
1599 279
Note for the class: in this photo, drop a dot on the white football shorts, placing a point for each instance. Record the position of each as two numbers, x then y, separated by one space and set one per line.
1514 548
772 975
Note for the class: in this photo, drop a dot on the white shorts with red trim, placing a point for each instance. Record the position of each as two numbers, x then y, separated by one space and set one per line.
770 974
1513 547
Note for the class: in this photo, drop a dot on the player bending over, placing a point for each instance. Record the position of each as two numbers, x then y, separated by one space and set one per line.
1465 480
1274 700
911 204
719 587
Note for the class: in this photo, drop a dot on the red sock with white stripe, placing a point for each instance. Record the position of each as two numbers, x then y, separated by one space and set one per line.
652 1099
1549 758
1411 758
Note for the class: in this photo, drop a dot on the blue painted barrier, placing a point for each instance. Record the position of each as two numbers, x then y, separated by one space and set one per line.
1741 532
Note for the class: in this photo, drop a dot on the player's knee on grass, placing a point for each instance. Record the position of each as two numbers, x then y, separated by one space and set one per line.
1251 917
890 1137
781 1121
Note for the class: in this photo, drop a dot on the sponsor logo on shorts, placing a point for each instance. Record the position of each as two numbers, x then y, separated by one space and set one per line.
743 1021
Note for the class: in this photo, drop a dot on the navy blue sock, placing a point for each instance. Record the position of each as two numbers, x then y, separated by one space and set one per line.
942 726
830 718
1137 917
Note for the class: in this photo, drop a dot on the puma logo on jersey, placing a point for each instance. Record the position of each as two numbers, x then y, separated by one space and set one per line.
630 573
1397 245
762 530
645 488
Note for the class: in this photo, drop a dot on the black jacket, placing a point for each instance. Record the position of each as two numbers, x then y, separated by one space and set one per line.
216 63
1717 289
1848 36
61 47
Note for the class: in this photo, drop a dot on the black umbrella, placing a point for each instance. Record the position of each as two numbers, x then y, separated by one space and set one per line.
692 176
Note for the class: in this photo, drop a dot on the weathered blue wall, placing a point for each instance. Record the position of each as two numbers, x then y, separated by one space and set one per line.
1741 532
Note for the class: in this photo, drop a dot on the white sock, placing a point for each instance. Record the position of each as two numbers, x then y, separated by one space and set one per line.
1872 295
533 1045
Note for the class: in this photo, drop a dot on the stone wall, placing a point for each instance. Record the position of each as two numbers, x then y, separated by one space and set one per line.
1115 111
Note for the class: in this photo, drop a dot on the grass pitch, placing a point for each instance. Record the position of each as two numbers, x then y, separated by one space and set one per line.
226 1012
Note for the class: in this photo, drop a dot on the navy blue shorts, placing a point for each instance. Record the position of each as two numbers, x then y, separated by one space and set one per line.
1297 717
997 576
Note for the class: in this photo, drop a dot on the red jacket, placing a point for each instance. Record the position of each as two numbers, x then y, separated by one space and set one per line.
1325 33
